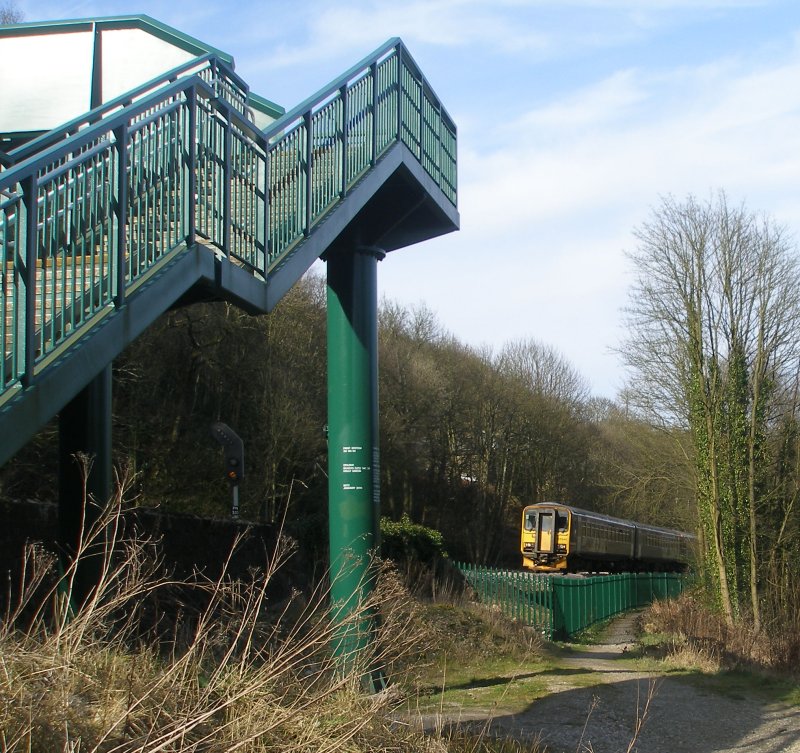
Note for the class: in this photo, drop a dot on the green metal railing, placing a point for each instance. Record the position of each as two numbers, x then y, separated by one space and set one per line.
560 606
225 82
110 197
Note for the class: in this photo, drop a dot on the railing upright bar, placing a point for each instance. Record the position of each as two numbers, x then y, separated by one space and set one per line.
421 121
227 180
121 137
438 145
30 199
214 77
345 138
266 221
526 604
309 157
190 201
374 75
400 66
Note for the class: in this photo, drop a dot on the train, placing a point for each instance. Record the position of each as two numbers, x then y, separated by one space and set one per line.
559 538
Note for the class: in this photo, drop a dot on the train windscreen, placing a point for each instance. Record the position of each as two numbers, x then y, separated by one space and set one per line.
530 520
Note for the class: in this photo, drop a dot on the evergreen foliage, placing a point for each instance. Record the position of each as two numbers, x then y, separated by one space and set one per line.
403 540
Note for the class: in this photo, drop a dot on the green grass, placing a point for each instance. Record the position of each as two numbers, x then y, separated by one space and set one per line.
790 694
592 634
479 660
481 666
487 664
499 683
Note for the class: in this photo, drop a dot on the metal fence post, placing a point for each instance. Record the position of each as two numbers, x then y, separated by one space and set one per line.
374 74
121 137
400 65
227 187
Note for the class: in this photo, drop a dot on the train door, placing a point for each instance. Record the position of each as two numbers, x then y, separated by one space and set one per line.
546 532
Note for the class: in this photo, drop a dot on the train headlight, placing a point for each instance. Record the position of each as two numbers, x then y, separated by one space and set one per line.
561 548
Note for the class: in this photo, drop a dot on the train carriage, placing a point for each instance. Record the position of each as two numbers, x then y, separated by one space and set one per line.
560 538
660 546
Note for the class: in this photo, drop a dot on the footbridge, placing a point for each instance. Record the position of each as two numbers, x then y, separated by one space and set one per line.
174 192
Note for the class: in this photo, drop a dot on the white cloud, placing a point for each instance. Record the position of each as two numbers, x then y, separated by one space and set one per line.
549 192
520 29
590 107
633 136
333 30
549 203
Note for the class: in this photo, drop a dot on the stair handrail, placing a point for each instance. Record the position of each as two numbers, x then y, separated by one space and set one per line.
409 114
364 67
72 143
196 65
395 44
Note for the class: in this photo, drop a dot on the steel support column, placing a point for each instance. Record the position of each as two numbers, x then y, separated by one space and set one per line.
84 428
353 464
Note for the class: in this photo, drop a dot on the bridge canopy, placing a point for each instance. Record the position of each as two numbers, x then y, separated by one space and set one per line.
72 66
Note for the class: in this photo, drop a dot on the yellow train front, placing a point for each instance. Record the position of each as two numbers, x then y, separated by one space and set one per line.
558 538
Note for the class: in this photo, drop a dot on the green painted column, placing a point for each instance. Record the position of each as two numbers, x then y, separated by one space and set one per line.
353 462
84 428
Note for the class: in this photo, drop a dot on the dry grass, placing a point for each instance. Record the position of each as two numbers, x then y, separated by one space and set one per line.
226 673
700 638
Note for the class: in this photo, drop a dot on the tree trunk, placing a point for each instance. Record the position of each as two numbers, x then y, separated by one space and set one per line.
716 529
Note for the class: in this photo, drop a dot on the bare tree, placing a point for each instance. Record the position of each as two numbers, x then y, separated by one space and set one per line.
544 371
643 470
10 14
713 327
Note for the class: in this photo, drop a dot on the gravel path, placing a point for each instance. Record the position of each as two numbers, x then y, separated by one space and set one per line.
593 706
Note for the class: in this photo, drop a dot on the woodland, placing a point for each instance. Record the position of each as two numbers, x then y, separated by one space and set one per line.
704 438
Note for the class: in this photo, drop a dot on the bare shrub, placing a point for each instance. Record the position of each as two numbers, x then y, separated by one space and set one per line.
227 679
701 638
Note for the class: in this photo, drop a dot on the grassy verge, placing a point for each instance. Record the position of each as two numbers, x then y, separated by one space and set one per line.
151 665
682 637
479 661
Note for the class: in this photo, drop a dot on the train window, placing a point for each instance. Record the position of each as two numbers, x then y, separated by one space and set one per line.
530 521
562 522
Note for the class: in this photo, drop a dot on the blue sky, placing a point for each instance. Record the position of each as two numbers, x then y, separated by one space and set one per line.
574 118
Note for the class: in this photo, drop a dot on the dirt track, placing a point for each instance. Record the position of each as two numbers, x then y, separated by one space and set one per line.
593 706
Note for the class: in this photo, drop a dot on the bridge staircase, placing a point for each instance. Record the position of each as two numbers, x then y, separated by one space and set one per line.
170 195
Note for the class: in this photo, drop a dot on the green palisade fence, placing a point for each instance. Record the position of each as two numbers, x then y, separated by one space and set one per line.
560 606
